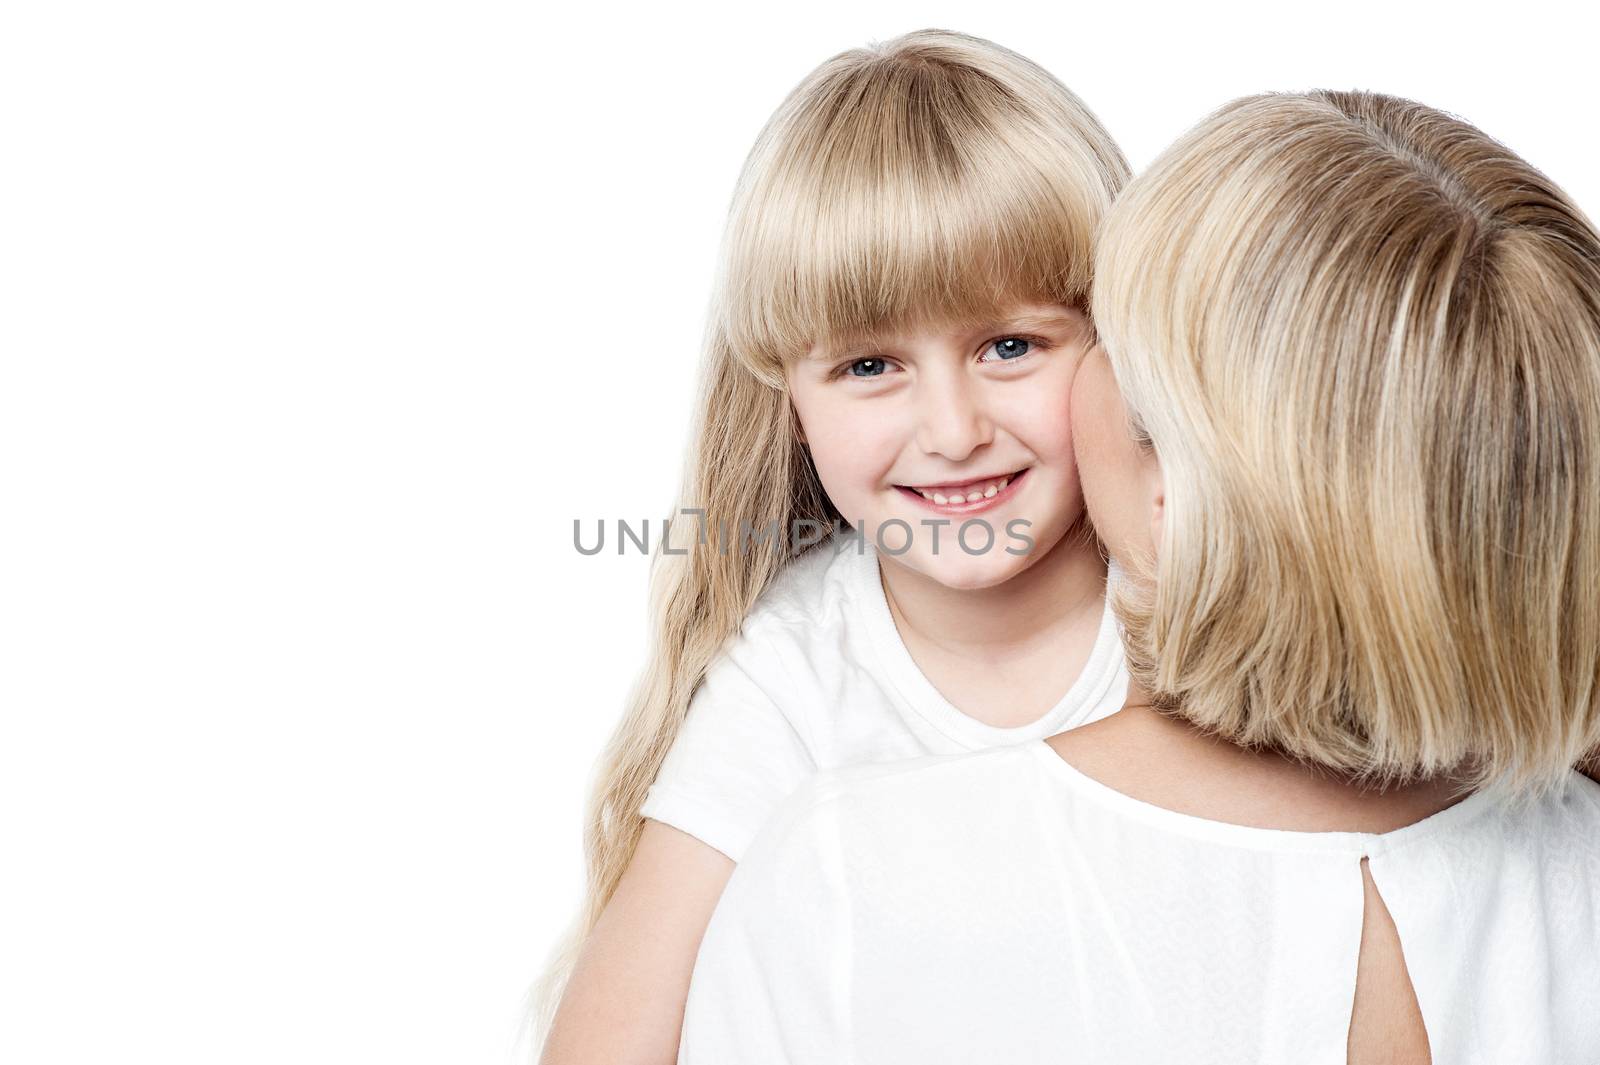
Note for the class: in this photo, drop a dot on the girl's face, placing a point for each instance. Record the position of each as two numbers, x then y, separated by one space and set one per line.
922 434
1121 476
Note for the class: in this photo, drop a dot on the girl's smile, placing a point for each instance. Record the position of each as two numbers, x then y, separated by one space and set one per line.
965 497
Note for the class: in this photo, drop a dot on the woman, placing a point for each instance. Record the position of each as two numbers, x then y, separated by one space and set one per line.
1353 491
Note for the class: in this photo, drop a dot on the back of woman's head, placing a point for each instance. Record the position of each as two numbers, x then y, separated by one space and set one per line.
1364 338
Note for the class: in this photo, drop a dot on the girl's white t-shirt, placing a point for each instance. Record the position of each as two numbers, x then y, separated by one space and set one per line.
818 678
1004 907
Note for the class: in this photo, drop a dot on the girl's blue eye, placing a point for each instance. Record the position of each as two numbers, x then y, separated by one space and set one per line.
1009 348
867 368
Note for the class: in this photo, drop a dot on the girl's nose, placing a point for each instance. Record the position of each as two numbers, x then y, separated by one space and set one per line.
951 421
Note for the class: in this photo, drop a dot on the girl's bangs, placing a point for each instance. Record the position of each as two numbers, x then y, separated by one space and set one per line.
869 241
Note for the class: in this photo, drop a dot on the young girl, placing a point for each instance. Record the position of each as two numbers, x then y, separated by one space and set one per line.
899 315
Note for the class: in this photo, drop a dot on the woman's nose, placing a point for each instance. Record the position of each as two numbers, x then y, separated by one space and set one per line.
951 420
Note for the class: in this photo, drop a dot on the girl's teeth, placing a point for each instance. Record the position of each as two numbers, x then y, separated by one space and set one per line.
988 492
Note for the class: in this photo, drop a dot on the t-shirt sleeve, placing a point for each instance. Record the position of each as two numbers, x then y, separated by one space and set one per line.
772 980
743 749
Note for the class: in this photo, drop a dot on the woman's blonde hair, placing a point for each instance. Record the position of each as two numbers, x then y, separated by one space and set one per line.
934 178
1364 338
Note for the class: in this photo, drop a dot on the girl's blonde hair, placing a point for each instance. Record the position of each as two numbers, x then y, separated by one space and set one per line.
1365 340
933 178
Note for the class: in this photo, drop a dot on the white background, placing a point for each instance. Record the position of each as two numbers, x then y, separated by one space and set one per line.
322 322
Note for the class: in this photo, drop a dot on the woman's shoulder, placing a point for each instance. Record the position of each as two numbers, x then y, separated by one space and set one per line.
908 800
881 784
1560 824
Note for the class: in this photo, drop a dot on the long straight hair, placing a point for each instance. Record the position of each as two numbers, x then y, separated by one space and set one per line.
932 178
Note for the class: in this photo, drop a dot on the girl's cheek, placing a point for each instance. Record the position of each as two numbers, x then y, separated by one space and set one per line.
852 455
1049 434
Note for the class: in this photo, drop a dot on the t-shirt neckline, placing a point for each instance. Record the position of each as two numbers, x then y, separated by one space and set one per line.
1250 836
918 692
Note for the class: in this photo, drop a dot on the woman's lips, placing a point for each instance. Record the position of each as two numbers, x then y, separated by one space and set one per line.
964 508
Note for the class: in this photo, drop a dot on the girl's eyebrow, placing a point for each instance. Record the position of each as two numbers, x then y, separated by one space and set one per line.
857 347
1031 321
852 348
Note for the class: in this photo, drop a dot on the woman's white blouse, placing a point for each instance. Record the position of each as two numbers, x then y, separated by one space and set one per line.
1002 907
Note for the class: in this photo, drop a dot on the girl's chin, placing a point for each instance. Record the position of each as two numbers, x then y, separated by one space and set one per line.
962 572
